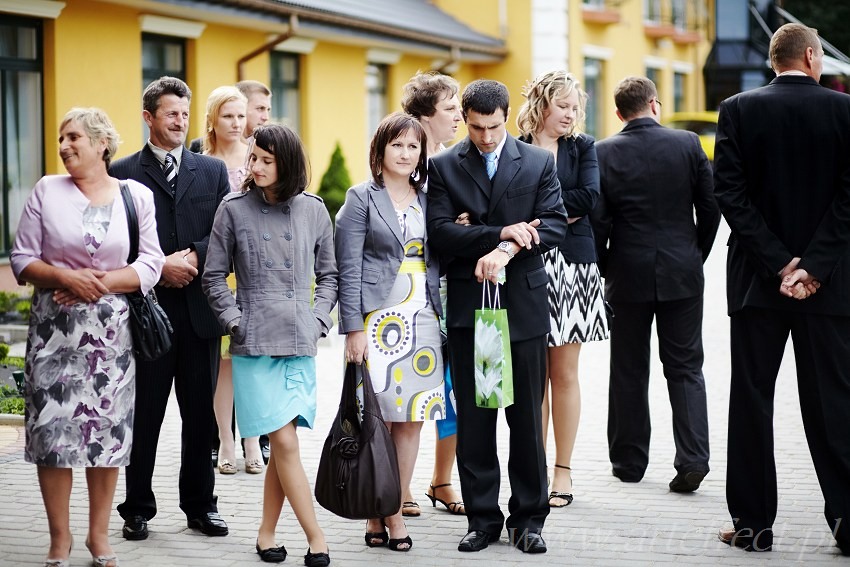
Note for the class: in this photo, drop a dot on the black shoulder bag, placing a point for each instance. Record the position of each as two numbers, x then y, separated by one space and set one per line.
148 322
358 471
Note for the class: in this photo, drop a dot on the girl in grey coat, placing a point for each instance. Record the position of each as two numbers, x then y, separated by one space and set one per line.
276 237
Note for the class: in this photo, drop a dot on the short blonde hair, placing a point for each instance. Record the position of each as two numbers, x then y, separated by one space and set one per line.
98 127
789 43
540 93
218 98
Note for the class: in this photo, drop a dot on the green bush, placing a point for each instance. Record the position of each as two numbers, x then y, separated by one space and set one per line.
8 301
4 350
8 392
12 405
23 308
335 182
16 361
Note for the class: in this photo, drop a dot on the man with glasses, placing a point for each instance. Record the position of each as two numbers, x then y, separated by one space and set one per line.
651 251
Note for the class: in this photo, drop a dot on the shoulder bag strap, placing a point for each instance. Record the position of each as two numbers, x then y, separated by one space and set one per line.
132 222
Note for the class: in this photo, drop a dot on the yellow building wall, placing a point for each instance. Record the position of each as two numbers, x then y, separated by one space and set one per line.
80 72
333 109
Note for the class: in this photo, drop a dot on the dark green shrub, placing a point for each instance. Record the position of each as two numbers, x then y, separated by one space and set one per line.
335 182
23 308
4 351
8 300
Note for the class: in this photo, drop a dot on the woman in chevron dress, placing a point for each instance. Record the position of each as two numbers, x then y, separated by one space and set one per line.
551 118
389 298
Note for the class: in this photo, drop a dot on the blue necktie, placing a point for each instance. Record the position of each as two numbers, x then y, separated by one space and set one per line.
490 162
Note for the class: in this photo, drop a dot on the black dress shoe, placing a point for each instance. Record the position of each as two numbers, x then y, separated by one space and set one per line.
528 542
687 481
476 541
271 554
135 528
209 524
733 538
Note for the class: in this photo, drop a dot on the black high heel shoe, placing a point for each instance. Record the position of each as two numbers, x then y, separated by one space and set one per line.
377 539
457 508
395 544
566 496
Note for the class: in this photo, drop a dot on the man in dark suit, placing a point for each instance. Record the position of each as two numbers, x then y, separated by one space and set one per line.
653 179
187 189
783 184
515 214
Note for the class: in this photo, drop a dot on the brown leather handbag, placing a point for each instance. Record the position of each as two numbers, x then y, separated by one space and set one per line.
358 471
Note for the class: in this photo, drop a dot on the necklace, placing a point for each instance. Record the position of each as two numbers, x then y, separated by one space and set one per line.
400 201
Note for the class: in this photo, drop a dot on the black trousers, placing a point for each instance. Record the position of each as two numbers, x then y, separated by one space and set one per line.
478 463
679 328
192 366
822 354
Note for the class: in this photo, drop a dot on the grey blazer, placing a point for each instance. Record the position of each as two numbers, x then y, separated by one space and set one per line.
274 251
369 252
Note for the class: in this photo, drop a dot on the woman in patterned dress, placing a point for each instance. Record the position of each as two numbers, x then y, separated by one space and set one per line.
225 123
389 297
552 118
72 244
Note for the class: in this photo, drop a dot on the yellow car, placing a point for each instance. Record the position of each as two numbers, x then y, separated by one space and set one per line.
702 123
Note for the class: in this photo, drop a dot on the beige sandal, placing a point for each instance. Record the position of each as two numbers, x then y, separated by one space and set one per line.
254 466
226 467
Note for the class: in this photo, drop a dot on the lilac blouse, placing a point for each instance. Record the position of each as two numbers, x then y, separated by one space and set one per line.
51 229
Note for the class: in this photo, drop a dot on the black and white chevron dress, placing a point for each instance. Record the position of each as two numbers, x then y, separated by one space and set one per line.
576 301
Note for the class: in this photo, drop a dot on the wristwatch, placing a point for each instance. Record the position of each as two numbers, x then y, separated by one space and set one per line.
505 246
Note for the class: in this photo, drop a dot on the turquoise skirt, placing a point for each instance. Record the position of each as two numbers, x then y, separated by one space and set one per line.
270 392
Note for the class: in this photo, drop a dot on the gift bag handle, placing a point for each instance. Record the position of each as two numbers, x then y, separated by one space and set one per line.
493 302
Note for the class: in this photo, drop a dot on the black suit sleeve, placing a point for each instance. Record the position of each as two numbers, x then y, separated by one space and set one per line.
600 219
581 199
447 237
730 189
705 205
549 208
829 243
222 188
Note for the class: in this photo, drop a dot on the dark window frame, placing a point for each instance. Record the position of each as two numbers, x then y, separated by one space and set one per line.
281 85
15 64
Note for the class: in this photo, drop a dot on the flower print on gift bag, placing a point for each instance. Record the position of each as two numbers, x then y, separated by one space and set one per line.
494 386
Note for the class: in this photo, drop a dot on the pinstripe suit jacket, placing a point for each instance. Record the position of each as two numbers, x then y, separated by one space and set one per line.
183 221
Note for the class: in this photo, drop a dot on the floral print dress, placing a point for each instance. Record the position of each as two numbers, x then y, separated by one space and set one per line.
80 374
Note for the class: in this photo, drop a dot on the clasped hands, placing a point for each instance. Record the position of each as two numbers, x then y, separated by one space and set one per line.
523 234
797 283
87 285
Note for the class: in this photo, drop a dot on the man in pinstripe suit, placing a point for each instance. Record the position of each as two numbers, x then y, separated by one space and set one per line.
187 189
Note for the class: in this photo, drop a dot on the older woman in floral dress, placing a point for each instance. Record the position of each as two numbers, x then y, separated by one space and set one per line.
72 244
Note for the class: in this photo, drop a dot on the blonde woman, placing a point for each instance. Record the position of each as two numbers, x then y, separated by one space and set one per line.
225 123
552 118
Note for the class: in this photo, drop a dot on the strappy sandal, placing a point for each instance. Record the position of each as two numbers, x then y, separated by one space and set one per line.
410 509
566 496
456 508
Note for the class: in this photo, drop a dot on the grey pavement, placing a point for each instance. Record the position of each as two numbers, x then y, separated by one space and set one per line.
610 523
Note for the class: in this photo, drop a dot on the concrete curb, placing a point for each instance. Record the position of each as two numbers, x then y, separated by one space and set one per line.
11 419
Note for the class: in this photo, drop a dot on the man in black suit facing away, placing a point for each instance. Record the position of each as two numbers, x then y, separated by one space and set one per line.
783 184
651 252
511 192
187 189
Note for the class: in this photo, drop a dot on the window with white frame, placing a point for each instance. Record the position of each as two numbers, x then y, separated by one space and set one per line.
678 92
652 11
162 55
593 88
680 14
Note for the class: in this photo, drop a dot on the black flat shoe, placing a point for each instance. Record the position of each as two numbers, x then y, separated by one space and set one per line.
271 554
264 448
316 559
476 541
209 524
395 544
135 528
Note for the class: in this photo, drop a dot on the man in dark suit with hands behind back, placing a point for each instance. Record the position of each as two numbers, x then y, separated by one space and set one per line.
783 183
